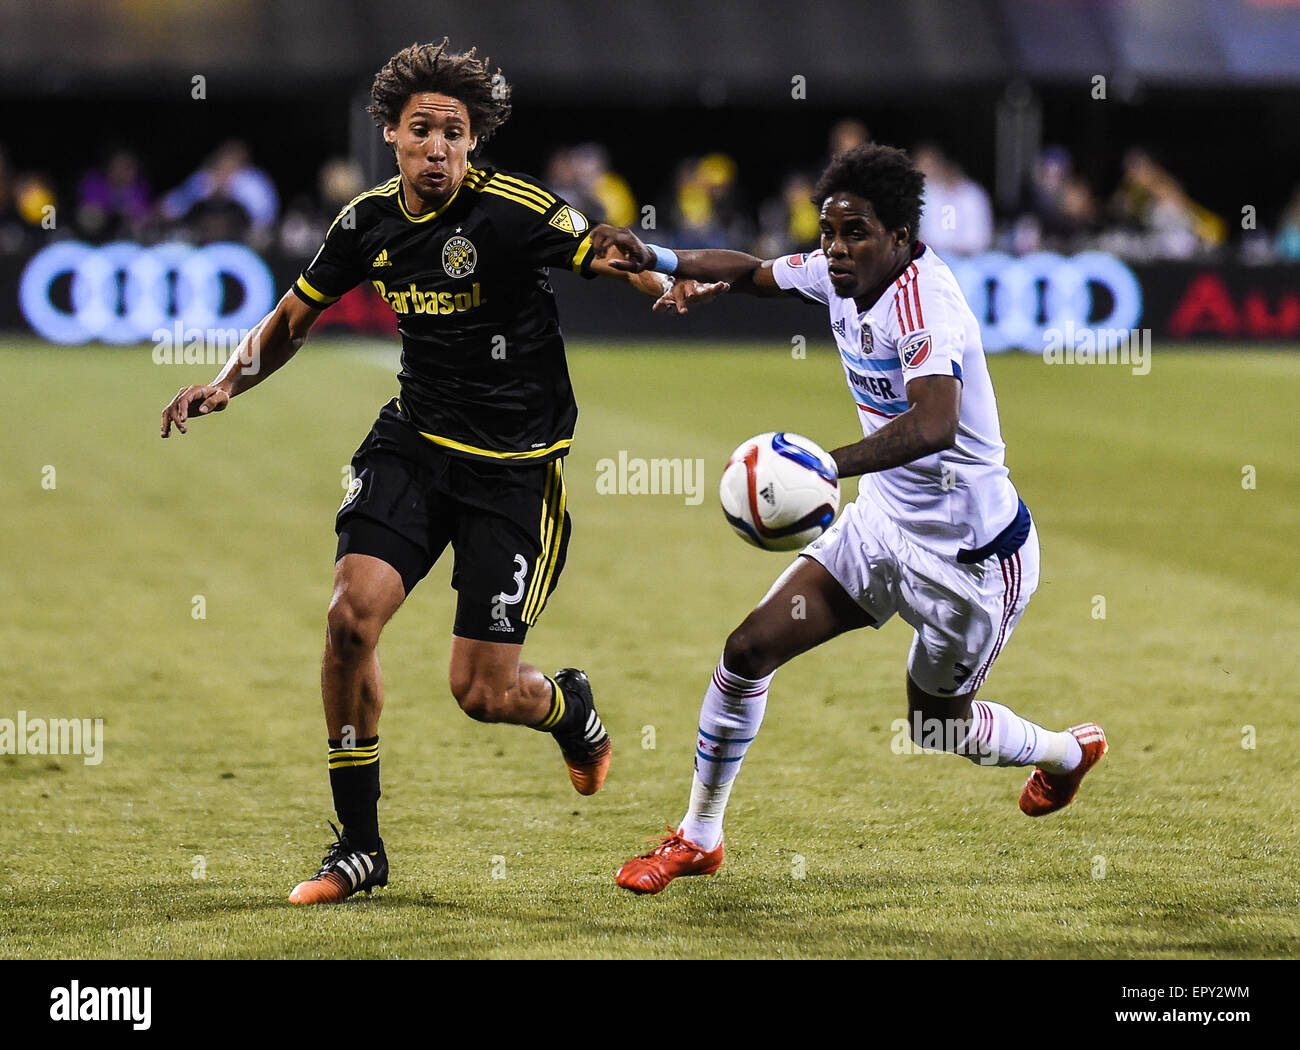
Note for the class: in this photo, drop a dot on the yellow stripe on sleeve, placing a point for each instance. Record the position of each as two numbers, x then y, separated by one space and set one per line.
584 249
313 294
512 196
524 188
386 189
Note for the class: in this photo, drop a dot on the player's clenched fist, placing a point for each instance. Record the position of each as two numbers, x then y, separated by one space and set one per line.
204 399
637 256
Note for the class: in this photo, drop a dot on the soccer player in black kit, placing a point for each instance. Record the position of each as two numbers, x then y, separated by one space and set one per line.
469 454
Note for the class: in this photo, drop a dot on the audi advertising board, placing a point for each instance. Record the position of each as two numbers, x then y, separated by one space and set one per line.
71 292
123 293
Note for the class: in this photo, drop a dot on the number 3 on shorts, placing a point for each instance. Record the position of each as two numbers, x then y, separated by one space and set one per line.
514 599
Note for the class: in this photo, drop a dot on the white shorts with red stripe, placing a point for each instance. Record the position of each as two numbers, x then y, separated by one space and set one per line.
963 615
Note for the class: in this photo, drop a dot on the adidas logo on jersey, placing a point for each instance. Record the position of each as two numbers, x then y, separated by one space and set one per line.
381 260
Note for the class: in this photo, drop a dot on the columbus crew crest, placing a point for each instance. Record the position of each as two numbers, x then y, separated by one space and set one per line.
459 257
354 489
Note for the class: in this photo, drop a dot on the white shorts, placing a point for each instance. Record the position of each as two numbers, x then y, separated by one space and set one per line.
962 614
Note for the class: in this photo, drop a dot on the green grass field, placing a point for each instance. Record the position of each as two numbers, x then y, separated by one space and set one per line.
212 796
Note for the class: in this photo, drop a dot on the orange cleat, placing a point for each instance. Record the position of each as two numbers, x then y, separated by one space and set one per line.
671 859
343 872
588 768
1045 793
587 751
329 888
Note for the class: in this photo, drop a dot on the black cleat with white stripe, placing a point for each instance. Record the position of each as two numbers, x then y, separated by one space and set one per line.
587 748
343 872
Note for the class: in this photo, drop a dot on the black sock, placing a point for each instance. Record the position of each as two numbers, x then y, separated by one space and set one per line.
354 779
568 714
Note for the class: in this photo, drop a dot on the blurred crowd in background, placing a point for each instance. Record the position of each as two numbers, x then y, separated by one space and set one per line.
1148 215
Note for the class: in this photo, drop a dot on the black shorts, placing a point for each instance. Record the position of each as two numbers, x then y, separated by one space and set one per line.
507 525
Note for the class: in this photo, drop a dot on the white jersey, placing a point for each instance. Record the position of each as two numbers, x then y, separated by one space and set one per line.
957 500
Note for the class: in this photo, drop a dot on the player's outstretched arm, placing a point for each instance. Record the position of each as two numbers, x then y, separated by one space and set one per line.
646 281
669 294
927 427
268 345
740 271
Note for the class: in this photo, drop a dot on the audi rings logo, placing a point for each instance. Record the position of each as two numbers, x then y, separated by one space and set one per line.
1018 299
124 292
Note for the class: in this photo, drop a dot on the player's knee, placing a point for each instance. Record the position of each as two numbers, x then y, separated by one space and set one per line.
351 633
482 700
939 723
746 655
926 692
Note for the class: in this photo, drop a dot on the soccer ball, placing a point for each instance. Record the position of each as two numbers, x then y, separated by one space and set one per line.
780 491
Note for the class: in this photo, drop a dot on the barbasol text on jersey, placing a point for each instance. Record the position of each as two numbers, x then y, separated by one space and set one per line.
413 301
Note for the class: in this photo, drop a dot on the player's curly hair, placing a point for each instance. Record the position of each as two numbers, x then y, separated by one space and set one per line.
433 67
883 175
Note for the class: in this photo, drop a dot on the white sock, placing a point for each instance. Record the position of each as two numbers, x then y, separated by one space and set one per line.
999 736
729 719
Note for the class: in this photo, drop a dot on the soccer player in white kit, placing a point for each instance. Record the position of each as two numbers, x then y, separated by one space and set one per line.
938 534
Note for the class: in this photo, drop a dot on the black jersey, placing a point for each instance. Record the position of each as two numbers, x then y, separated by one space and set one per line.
483 368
